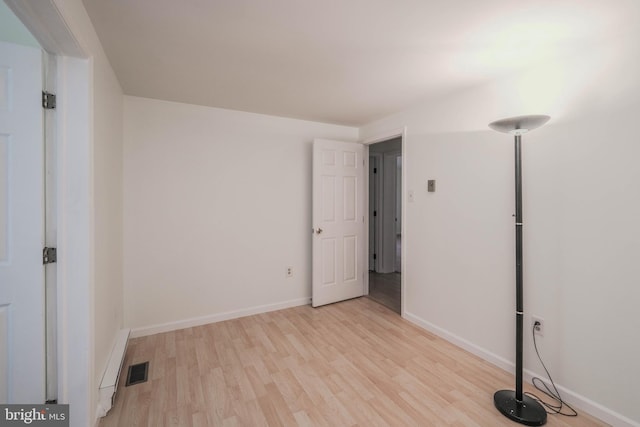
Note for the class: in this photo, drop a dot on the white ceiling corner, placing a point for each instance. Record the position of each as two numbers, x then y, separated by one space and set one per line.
339 61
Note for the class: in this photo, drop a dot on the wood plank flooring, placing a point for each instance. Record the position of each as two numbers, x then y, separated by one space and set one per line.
354 363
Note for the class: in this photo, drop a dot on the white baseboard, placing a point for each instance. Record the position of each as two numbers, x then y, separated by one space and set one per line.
490 357
111 375
574 399
213 318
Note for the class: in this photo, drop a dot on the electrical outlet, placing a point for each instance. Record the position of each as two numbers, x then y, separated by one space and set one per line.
289 271
539 328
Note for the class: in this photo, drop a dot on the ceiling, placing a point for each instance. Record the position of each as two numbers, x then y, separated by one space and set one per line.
340 61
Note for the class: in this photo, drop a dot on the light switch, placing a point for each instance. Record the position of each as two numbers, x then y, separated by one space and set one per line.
431 186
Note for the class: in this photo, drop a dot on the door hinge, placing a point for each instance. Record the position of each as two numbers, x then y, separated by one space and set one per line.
48 100
49 255
375 170
375 213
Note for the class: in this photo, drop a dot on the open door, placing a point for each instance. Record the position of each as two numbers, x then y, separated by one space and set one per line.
338 221
22 322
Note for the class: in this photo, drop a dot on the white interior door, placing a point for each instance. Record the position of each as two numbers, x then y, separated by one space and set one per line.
338 221
22 337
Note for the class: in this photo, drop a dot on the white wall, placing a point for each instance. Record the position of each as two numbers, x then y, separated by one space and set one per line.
581 233
217 204
108 211
246 214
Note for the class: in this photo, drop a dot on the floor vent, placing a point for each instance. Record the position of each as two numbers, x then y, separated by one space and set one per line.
137 373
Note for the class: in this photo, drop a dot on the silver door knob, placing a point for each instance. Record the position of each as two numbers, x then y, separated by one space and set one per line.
319 231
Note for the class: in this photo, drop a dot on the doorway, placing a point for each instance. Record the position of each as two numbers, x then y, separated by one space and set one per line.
385 223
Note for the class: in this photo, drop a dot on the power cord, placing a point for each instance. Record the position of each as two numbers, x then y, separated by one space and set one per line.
559 404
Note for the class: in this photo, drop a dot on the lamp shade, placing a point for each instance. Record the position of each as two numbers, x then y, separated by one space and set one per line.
519 124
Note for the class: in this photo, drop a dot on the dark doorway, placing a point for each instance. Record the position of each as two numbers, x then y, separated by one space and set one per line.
385 216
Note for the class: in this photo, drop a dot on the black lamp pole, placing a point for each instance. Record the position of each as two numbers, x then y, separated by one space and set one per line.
519 279
514 404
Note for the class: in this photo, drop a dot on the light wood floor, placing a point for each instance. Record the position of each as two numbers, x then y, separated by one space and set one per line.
384 288
354 363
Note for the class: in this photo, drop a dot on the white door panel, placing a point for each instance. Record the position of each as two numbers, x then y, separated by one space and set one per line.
22 356
338 221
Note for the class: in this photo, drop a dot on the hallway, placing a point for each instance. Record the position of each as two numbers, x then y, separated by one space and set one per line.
384 288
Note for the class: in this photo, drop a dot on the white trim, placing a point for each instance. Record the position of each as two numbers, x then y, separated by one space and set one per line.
386 135
365 238
213 318
490 357
47 25
111 376
50 66
587 405
580 402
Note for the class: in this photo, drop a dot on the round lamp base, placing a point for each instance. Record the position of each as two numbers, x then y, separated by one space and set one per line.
528 411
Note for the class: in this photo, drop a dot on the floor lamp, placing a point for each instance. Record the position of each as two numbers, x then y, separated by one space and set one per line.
513 404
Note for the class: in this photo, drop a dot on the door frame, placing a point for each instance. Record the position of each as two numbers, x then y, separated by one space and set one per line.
74 202
380 137
50 228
